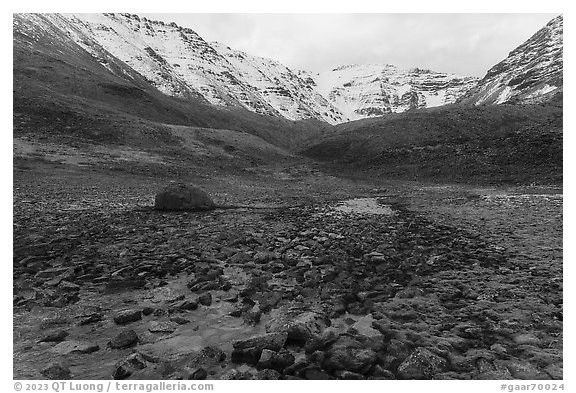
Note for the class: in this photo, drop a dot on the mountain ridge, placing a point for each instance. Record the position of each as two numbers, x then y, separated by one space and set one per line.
531 73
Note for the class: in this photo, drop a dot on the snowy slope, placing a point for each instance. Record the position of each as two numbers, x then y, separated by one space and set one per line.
178 62
283 89
532 72
361 91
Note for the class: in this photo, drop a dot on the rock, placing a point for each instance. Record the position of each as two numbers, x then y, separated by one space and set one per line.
315 374
275 360
349 354
320 341
91 318
252 317
129 365
56 371
422 364
198 374
179 320
205 299
183 197
127 316
381 373
162 327
147 311
67 347
249 350
55 337
299 326
123 340
273 341
186 304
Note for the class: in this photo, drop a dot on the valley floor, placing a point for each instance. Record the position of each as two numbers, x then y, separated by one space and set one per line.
455 282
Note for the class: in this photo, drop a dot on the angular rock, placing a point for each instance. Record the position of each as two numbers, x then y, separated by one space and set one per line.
249 350
186 304
129 365
273 341
299 326
275 360
123 340
349 354
127 316
422 364
183 197
91 318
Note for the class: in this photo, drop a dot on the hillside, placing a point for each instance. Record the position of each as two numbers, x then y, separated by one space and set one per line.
487 144
61 89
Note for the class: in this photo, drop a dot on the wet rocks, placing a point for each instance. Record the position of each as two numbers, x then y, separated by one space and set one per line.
127 316
183 197
124 339
422 364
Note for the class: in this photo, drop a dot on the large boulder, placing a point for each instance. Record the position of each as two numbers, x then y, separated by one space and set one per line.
187 197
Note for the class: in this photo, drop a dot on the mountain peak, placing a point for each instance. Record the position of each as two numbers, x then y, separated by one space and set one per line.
531 73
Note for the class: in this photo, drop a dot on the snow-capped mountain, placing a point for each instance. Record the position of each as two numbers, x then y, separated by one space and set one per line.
532 72
178 62
370 90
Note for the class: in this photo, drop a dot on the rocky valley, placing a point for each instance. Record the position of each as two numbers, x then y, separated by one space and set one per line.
422 240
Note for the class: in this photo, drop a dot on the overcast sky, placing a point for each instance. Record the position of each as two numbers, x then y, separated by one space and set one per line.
465 44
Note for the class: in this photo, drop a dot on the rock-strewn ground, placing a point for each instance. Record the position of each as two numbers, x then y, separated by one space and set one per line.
456 283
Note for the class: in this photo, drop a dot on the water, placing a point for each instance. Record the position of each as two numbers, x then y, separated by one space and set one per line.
364 206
